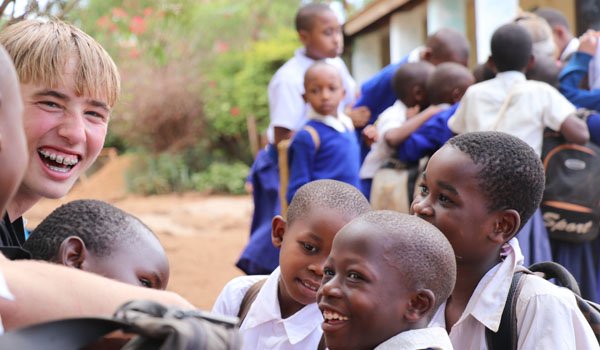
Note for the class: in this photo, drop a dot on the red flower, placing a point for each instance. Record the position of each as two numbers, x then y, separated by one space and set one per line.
148 11
234 111
118 12
221 46
103 22
137 25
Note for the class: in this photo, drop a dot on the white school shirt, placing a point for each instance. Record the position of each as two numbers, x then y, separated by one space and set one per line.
434 338
263 327
393 117
287 108
534 105
547 315
342 123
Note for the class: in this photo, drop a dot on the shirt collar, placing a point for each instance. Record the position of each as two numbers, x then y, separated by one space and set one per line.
571 47
341 124
266 309
434 337
415 54
487 302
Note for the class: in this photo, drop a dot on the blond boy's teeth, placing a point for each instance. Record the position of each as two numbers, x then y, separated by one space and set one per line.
330 315
60 159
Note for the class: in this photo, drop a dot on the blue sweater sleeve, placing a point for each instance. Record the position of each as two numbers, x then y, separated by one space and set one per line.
377 93
301 157
428 138
593 123
569 80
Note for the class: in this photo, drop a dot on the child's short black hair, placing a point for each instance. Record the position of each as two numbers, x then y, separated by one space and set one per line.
447 77
409 75
417 249
511 48
306 15
553 17
101 226
511 174
333 194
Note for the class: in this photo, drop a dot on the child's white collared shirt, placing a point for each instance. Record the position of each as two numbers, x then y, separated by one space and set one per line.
547 315
341 124
263 327
434 338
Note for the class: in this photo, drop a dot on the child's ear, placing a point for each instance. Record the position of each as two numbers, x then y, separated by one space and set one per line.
304 36
456 94
304 98
72 252
426 54
506 225
278 226
491 65
420 304
530 63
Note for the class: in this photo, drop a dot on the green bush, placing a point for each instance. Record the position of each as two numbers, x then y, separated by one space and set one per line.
164 173
222 178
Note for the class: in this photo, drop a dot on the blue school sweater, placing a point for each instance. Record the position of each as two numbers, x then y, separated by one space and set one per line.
570 77
428 138
336 158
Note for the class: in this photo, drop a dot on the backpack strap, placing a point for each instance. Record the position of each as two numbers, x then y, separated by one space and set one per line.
248 299
284 168
506 337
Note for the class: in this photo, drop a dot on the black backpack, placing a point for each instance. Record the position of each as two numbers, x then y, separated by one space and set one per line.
571 202
506 337
153 325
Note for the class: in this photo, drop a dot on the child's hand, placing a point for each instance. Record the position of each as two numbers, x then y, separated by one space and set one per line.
588 42
360 116
432 109
412 111
370 135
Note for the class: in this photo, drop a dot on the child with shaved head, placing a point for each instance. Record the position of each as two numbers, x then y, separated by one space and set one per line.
385 277
279 311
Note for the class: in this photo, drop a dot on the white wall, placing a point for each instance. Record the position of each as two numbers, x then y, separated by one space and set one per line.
489 15
408 29
366 55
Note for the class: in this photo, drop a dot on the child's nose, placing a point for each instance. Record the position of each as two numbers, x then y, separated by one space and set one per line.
330 288
317 269
421 207
72 128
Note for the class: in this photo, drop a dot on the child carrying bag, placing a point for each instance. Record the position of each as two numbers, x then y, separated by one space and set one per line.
153 325
506 337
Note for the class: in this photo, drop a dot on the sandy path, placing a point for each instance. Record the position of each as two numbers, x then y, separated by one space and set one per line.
202 235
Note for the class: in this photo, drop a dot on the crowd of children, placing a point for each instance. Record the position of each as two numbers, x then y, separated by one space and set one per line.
329 272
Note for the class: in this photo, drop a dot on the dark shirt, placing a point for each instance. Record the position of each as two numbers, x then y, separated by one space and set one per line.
12 236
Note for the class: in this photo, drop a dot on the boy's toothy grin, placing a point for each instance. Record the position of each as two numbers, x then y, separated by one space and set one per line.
329 315
310 285
58 162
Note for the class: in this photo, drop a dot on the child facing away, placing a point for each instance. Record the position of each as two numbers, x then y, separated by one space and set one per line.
320 33
284 313
326 147
522 108
479 189
420 138
409 85
385 277
97 237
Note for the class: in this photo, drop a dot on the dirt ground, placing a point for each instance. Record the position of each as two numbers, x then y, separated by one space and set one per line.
203 235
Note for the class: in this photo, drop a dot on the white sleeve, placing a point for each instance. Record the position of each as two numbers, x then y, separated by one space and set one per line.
286 104
550 319
229 300
557 109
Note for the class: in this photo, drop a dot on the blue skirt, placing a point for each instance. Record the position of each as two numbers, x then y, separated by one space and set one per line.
260 257
533 240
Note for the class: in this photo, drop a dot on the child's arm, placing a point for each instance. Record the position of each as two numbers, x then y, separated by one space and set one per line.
301 157
45 292
575 130
427 139
575 70
396 136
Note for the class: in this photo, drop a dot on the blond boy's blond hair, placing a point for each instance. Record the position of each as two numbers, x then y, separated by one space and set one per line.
42 49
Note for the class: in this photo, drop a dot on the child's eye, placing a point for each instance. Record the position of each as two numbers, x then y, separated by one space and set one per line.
145 282
327 271
423 190
96 115
444 199
354 276
50 105
309 247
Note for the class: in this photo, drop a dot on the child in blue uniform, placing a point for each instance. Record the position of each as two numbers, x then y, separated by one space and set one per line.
385 277
333 152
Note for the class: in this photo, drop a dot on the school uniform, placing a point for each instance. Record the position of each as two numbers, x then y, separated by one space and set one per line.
263 327
287 109
336 157
547 315
380 151
428 138
534 106
377 93
570 77
434 338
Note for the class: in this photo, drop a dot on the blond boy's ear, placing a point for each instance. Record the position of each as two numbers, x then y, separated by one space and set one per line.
72 252
506 226
420 304
278 227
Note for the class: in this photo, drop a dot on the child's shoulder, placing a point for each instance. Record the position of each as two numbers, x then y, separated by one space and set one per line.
228 301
